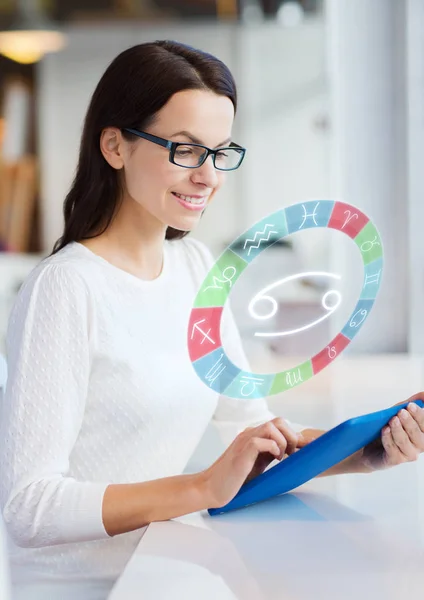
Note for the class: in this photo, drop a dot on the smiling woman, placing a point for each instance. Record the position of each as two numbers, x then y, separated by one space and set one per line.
102 409
154 91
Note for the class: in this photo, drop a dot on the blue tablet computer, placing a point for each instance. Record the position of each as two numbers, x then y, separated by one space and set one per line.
326 451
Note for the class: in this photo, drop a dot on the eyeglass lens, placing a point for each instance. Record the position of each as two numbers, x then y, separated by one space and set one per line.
192 156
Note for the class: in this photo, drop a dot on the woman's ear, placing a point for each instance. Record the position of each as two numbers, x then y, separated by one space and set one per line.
111 146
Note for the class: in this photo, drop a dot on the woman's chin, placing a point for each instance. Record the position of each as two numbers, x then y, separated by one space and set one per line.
185 224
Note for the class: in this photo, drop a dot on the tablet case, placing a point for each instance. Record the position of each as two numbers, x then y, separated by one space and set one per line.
314 458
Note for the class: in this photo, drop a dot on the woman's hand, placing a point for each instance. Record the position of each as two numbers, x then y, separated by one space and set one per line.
247 457
402 440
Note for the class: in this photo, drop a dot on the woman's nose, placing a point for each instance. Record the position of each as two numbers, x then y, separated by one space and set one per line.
206 174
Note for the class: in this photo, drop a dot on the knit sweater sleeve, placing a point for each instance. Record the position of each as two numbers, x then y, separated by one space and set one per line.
233 415
48 356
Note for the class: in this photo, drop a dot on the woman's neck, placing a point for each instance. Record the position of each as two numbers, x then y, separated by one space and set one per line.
132 244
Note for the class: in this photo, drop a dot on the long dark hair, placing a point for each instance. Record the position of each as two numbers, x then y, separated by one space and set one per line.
134 87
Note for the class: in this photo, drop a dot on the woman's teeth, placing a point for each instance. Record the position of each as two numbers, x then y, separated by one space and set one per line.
190 199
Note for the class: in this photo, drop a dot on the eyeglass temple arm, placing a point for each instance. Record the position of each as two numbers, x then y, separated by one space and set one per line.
150 137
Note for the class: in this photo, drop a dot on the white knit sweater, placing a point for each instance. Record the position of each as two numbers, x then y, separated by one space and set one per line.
101 390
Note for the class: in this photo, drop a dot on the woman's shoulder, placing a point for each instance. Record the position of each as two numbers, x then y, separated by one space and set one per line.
54 294
63 272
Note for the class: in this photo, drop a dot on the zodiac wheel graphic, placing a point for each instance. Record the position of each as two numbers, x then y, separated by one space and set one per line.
206 351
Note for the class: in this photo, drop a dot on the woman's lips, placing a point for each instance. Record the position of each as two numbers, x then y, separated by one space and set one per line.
190 205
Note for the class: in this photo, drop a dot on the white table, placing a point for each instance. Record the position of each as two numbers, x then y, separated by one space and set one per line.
361 538
341 538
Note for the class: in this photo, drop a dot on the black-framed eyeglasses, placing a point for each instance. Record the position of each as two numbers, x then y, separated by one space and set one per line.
191 156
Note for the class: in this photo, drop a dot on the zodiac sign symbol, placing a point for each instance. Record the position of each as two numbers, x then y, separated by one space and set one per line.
225 280
306 215
372 278
215 371
363 314
332 352
197 328
262 296
349 217
293 378
369 245
262 239
253 381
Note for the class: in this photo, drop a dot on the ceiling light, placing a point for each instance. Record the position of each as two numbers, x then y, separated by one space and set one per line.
30 35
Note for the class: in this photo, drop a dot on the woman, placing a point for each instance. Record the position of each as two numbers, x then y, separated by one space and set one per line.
102 408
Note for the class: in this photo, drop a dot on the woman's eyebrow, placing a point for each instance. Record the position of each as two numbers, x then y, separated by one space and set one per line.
196 140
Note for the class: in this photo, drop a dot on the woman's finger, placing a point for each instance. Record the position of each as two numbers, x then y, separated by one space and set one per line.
257 445
417 413
412 428
393 454
270 431
402 441
290 435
